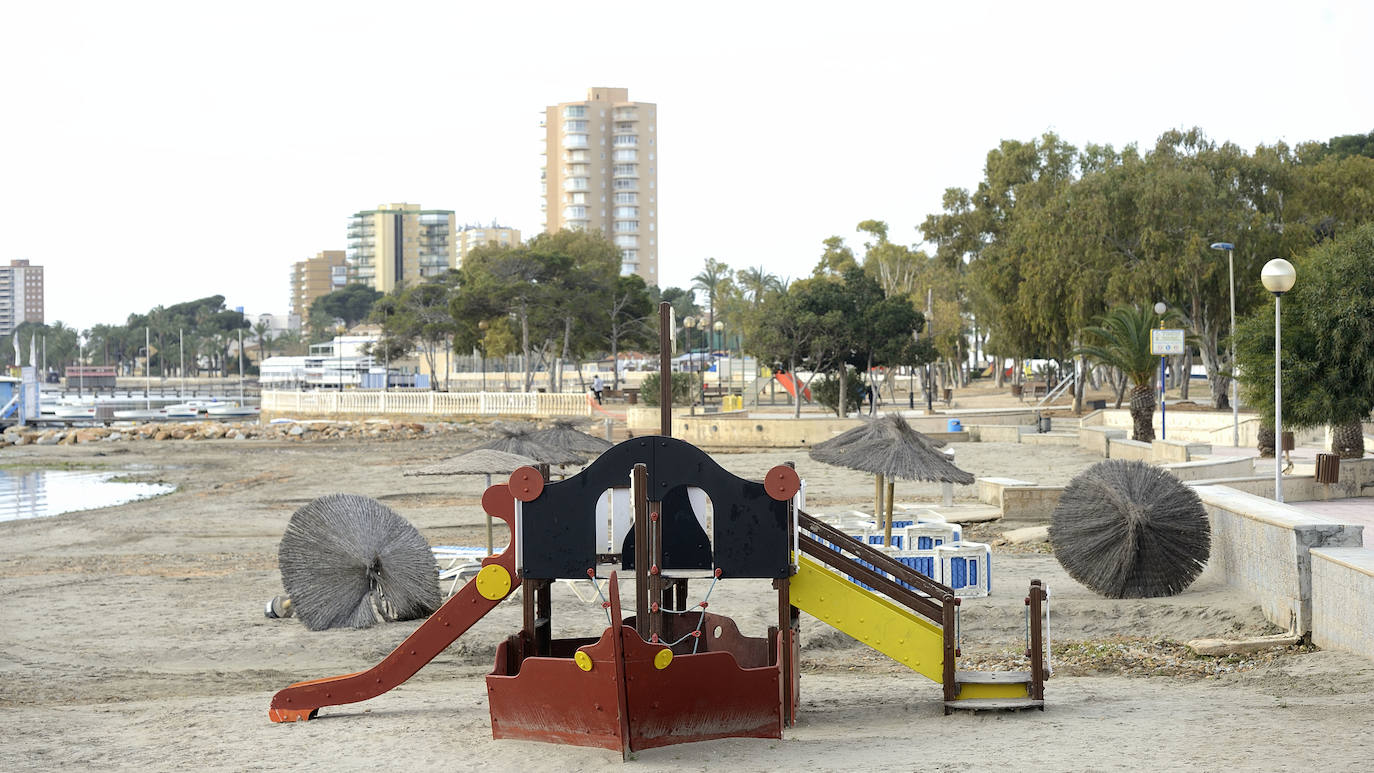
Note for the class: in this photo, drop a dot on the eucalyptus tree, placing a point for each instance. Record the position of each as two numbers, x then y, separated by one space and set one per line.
1328 344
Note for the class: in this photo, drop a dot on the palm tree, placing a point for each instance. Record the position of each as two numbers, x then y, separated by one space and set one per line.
262 330
710 281
1121 340
757 283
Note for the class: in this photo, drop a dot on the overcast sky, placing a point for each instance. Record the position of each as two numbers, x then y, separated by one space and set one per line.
157 153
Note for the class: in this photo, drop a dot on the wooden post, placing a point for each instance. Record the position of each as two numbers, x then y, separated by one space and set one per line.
788 622
656 581
665 369
890 487
951 659
639 492
1037 650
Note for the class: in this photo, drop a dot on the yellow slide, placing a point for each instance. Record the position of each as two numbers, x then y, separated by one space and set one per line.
902 635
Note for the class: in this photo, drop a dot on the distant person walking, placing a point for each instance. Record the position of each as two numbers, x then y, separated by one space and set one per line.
871 395
597 386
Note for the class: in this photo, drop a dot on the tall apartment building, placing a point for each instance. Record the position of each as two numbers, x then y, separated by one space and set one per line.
397 244
601 173
21 295
472 236
313 277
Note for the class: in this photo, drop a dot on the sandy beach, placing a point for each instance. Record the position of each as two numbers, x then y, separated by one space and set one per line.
134 637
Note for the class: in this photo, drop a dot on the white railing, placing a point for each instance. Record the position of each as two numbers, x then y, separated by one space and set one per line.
534 404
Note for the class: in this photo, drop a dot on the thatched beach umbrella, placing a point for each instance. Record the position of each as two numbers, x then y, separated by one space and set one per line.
1127 529
483 461
889 448
520 439
351 561
565 434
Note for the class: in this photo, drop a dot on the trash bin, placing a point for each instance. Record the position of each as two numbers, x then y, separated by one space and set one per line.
1097 405
953 425
632 396
1328 468
1044 424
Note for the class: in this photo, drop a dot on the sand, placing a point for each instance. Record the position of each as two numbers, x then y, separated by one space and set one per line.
133 637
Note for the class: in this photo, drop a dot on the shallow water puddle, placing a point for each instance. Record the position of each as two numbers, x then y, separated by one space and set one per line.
42 493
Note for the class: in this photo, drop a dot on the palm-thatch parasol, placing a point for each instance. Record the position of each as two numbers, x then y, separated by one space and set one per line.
350 561
1127 529
565 434
483 461
520 439
889 448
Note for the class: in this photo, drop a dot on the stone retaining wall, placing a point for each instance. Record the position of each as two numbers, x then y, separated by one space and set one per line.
1343 599
1262 548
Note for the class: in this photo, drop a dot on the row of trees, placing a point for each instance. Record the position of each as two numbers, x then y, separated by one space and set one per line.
202 331
1055 236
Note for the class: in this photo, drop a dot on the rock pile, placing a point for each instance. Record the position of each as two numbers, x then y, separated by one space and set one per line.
287 431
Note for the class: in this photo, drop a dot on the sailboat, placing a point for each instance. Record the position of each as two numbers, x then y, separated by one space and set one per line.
235 410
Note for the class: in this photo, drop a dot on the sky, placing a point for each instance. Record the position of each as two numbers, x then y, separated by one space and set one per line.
154 153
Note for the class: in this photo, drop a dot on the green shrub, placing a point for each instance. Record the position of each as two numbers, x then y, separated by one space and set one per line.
685 386
826 390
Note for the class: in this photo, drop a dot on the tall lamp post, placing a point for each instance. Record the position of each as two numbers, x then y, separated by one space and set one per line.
1160 308
689 322
1278 277
719 327
1235 402
338 351
482 326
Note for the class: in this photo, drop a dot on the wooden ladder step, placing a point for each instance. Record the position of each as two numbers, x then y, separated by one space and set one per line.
992 677
994 704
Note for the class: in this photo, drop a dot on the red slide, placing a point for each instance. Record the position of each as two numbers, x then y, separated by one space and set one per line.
493 584
790 384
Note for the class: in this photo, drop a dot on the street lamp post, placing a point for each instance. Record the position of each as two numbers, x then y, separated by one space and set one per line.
1278 277
482 326
338 352
689 322
719 327
1235 401
1160 308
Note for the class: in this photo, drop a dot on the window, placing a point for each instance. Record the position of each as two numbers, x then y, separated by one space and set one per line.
626 140
627 241
577 198
625 185
631 255
575 213
627 226
575 111
627 198
627 212
574 126
579 170
581 156
625 170
626 155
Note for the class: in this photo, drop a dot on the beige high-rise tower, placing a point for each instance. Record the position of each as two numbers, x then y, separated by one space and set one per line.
398 244
601 173
313 277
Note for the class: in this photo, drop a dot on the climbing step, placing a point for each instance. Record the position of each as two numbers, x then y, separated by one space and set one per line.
992 685
994 704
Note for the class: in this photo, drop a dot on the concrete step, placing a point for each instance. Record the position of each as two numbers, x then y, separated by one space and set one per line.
994 704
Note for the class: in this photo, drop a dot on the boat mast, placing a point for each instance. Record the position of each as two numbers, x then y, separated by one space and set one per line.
147 368
240 367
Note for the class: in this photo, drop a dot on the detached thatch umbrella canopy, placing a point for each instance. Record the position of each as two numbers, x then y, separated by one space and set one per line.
1127 529
483 461
889 448
565 435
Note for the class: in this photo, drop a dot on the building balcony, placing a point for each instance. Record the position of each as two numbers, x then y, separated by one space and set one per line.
572 141
623 114
576 184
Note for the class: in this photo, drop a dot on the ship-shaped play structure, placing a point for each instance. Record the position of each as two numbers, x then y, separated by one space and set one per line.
676 672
